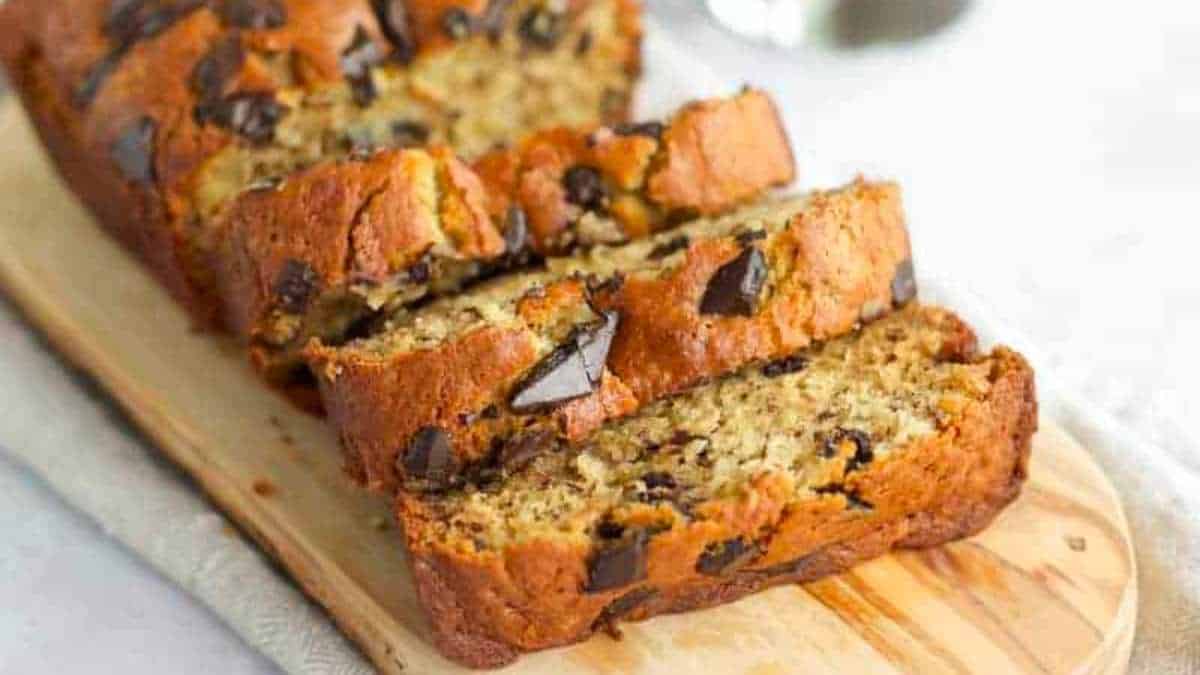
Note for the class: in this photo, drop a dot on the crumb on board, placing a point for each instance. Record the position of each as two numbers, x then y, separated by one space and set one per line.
263 488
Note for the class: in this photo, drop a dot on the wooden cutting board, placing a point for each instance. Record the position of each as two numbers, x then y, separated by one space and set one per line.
1049 588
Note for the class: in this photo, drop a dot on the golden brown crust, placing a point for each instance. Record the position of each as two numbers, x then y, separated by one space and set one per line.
487 607
85 86
837 261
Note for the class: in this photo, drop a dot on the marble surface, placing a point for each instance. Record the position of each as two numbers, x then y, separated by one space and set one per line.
1050 157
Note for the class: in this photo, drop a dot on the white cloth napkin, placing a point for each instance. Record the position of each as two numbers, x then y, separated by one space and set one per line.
66 432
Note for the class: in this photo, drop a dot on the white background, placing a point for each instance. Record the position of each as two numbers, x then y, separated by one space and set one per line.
1050 153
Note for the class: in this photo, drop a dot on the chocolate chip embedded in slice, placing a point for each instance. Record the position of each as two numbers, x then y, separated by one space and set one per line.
131 20
133 151
747 237
853 500
723 557
214 72
295 286
863 453
585 187
408 134
787 366
542 28
651 129
571 371
393 19
85 92
618 564
904 283
609 529
519 452
622 607
252 115
356 61
253 14
667 248
734 289
456 23
430 457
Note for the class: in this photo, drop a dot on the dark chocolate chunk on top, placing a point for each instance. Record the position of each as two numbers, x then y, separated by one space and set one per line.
571 371
430 456
734 289
618 564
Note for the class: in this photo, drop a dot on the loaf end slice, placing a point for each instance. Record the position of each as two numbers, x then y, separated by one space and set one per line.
901 436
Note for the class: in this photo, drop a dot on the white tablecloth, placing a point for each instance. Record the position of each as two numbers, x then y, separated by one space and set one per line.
1049 153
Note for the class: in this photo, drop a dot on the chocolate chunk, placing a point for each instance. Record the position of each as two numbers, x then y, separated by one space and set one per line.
667 248
493 19
131 20
607 529
295 286
585 187
393 19
430 457
585 43
748 237
542 28
723 557
357 59
792 364
420 273
491 412
853 500
623 607
253 14
904 284
734 289
252 115
516 231
213 73
609 285
571 371
456 23
519 452
408 134
659 480
85 92
133 151
863 454
652 129
618 564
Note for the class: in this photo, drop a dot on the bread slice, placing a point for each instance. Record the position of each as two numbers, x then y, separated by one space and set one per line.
899 436
159 113
440 392
319 251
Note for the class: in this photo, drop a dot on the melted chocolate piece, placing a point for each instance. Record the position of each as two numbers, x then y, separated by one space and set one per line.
791 364
295 286
254 14
602 286
904 284
652 129
723 557
456 23
618 564
734 289
85 92
571 371
213 73
665 249
853 500
430 457
393 19
408 134
863 454
607 529
518 453
748 237
357 59
129 21
133 151
251 114
623 607
542 28
585 187
420 273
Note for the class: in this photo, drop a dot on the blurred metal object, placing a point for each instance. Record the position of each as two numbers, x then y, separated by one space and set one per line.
839 23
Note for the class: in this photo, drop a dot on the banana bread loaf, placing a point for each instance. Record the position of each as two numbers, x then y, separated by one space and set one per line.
333 245
553 354
158 112
900 436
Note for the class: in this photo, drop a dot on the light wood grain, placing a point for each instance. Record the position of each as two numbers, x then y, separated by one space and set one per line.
1049 588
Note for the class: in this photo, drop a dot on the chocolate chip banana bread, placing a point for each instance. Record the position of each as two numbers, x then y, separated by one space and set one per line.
900 436
323 250
159 112
437 394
